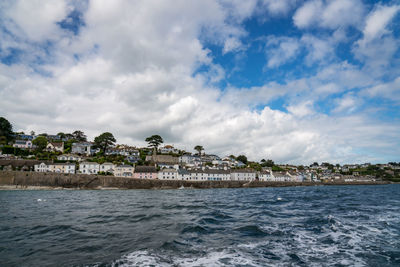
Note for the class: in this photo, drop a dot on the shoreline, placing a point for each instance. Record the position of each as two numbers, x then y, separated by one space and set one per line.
18 180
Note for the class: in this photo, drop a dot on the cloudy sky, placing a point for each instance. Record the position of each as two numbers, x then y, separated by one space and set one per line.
295 81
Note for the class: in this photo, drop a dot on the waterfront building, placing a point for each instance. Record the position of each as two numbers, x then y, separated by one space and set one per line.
145 172
266 176
168 174
282 177
210 175
55 167
89 167
243 175
107 167
124 171
183 174
62 167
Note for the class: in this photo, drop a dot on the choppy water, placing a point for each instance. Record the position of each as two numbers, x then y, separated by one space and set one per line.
300 226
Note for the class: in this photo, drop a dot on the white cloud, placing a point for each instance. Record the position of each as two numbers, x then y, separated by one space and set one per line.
348 103
37 19
329 14
378 45
377 21
280 50
389 90
278 7
307 14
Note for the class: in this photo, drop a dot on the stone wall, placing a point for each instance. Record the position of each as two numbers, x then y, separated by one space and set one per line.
84 181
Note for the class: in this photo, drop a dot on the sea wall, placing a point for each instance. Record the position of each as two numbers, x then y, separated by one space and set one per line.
20 179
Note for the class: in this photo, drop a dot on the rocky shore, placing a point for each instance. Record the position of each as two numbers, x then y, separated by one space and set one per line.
34 180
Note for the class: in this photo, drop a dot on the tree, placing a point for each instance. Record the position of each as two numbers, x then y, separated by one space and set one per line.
32 133
6 128
79 136
61 135
40 142
199 149
154 141
242 158
104 140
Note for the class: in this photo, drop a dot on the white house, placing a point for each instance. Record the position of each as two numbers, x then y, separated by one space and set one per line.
183 174
107 167
266 176
84 148
55 146
89 167
42 167
24 144
243 175
168 174
62 167
69 157
282 177
124 171
55 167
210 175
168 149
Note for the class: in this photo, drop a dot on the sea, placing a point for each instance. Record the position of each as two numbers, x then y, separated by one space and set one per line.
292 226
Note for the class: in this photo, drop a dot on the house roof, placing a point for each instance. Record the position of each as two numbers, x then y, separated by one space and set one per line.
163 159
20 163
212 171
243 171
145 169
57 144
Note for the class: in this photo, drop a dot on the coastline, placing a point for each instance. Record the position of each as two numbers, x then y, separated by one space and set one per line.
18 180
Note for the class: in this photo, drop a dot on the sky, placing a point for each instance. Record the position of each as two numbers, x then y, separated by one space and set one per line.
288 80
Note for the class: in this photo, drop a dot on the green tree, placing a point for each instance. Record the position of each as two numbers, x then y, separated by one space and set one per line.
154 141
79 136
61 135
104 140
40 142
6 128
242 158
199 149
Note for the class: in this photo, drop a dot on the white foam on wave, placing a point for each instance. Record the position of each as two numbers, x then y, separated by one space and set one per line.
139 258
217 258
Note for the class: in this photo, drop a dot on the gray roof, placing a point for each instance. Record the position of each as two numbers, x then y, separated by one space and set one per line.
145 169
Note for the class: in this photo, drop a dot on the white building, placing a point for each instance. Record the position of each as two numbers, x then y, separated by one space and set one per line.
84 148
55 167
42 167
210 175
168 174
24 144
69 157
243 175
55 147
183 174
89 167
62 167
282 177
266 176
168 149
107 167
124 171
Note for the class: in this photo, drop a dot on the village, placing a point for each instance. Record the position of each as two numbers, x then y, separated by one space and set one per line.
66 154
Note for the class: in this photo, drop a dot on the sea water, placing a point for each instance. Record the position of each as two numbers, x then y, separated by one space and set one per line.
296 226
